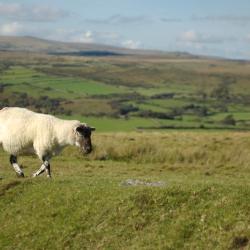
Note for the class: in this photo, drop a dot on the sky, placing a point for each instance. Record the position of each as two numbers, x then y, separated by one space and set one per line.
215 27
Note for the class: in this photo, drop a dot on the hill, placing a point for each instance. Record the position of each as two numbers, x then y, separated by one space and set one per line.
33 44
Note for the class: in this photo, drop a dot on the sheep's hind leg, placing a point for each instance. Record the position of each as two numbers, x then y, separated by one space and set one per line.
13 162
48 170
45 167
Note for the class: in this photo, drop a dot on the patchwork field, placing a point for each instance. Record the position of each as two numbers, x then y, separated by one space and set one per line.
136 92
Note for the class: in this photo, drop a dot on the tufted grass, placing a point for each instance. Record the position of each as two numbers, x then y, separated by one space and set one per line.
205 203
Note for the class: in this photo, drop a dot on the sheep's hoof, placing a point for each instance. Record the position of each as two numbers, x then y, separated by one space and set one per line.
21 175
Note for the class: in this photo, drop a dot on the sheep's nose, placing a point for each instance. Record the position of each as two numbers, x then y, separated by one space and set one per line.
87 150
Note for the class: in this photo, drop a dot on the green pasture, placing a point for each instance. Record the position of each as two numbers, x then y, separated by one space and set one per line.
23 79
107 124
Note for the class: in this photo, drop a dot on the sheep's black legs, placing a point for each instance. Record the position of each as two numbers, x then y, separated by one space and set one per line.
40 170
45 167
48 170
13 162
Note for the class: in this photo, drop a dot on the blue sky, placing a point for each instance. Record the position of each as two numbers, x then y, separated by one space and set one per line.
219 28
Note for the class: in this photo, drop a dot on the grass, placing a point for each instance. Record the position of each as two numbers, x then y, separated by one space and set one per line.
107 124
204 204
162 105
66 87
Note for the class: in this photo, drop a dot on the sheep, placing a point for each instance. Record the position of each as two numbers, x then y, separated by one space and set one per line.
21 129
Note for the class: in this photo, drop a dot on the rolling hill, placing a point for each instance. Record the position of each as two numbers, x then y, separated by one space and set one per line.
33 44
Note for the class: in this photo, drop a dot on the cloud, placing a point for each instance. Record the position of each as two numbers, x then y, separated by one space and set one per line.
89 36
130 44
37 13
189 36
119 19
223 18
70 35
210 44
13 28
194 37
170 20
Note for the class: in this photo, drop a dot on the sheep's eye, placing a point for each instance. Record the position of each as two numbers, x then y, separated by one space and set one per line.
84 131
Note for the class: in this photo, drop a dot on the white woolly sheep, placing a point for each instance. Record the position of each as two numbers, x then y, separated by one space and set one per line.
21 129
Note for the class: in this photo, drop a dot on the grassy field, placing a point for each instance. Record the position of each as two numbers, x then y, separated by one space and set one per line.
68 87
203 203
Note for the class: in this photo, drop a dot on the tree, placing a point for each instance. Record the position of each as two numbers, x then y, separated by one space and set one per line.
229 120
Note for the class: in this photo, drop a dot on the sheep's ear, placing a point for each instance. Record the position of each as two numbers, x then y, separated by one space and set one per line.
80 129
92 128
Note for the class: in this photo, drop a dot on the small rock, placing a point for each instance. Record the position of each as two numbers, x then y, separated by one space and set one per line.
135 182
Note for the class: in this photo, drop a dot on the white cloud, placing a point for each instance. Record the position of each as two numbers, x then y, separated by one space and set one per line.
89 36
171 20
119 19
189 36
37 13
86 37
193 37
130 44
9 8
107 38
240 19
69 35
13 28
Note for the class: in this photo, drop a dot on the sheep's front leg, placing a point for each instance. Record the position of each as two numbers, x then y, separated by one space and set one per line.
13 162
45 167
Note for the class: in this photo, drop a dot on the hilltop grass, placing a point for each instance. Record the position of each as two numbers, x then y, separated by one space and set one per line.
204 204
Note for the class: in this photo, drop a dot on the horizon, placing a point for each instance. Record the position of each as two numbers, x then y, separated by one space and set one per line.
209 29
125 48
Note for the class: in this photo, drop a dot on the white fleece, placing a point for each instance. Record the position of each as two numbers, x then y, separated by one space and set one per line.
21 128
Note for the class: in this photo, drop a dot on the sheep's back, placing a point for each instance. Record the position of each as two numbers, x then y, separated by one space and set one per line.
20 127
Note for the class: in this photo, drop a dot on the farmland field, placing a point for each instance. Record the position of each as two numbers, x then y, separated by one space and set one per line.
137 92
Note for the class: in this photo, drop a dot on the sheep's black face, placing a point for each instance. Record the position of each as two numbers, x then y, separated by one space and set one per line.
84 138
